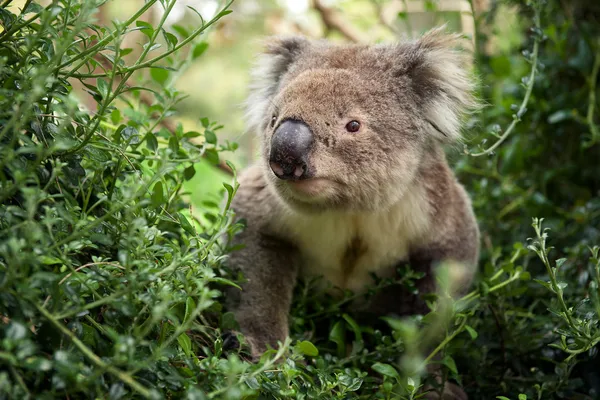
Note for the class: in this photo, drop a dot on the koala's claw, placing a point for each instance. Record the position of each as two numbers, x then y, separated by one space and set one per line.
230 341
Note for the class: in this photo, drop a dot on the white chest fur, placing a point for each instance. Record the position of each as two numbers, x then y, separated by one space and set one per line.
345 248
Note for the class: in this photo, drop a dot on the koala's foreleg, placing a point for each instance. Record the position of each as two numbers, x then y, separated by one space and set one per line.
262 306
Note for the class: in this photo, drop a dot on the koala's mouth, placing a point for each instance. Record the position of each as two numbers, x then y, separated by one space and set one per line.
311 188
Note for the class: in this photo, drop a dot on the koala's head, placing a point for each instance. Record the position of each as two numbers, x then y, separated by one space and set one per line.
347 126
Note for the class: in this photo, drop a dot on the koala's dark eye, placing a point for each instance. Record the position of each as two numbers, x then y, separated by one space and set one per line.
273 120
353 126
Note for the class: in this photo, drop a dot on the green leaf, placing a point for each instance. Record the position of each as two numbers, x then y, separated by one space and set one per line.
158 196
338 336
449 362
186 344
307 348
170 38
210 137
199 49
151 141
146 28
182 31
103 88
355 327
223 13
190 306
386 370
49 260
185 224
115 116
472 332
160 75
173 144
212 156
191 134
229 189
189 172
522 396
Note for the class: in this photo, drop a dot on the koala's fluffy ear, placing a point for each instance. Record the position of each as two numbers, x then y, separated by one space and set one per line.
439 69
278 56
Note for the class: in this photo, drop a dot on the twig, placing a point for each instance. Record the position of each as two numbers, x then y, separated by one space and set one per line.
530 82
447 340
592 101
333 21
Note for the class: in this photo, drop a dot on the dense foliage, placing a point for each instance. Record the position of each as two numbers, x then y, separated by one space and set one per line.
111 284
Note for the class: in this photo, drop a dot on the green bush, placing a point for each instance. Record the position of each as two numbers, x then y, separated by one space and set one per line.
103 272
111 282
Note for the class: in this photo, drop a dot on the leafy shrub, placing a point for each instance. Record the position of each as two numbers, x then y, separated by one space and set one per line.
102 271
110 283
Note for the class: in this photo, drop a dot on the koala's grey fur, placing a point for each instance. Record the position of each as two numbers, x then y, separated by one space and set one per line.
378 197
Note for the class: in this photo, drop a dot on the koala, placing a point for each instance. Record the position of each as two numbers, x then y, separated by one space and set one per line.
352 178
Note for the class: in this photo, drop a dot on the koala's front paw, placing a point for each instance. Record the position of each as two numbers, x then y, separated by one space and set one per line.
230 341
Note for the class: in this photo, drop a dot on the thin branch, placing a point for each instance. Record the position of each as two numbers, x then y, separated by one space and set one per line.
592 101
333 21
530 82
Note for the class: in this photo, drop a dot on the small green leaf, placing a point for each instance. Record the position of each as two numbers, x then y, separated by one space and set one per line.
386 369
146 28
229 189
307 348
212 156
472 332
160 75
199 49
522 396
355 327
191 134
173 144
158 196
190 305
49 260
185 343
170 38
189 172
449 362
338 336
151 141
185 224
183 32
115 116
223 13
103 88
210 137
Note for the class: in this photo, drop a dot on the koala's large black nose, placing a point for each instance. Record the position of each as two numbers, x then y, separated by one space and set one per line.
290 146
